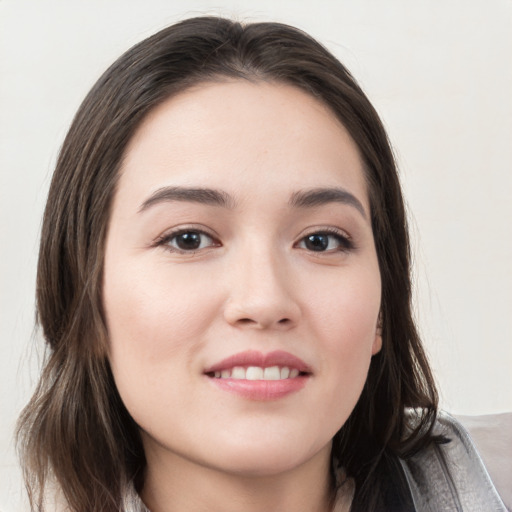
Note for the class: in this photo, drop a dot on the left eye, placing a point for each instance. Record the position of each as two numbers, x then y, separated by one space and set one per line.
188 241
323 242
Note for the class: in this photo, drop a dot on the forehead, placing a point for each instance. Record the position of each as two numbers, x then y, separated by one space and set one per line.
243 137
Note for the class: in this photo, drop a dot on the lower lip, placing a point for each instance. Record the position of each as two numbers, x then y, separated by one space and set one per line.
261 390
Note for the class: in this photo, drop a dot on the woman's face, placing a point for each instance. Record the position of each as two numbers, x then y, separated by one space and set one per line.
241 283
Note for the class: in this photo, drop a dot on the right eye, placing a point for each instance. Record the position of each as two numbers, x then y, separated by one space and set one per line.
187 240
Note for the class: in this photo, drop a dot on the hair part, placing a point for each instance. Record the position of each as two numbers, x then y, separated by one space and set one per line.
76 430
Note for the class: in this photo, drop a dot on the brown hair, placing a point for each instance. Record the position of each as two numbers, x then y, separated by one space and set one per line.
75 430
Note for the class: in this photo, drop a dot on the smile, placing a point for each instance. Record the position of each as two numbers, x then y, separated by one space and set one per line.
261 377
258 373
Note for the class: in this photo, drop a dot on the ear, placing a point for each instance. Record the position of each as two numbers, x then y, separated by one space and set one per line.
377 342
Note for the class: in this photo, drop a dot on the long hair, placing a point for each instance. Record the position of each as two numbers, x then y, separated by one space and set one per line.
75 431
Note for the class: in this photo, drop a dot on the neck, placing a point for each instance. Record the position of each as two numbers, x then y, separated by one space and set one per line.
187 486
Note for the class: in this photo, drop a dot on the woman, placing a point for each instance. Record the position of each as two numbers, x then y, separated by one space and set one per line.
224 287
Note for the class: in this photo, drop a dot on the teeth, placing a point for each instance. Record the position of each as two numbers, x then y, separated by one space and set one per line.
238 373
272 373
258 373
254 373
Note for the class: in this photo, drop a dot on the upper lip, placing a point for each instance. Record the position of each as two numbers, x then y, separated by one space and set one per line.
255 358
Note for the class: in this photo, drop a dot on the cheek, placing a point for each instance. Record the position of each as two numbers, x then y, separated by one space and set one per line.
155 321
345 316
155 333
347 310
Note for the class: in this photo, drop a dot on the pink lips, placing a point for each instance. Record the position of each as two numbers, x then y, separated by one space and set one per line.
254 358
260 390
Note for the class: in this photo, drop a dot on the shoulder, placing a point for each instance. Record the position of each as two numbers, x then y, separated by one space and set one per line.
450 475
492 436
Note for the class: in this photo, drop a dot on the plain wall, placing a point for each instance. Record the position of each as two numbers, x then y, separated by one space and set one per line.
439 73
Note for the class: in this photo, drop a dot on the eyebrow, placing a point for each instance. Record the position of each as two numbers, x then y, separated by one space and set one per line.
321 196
302 199
206 196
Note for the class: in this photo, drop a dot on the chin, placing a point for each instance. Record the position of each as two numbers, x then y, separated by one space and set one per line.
260 468
269 459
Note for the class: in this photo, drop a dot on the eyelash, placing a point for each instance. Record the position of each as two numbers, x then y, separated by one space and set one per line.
345 244
164 241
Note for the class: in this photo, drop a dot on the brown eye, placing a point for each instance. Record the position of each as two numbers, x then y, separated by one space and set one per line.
316 242
324 242
188 241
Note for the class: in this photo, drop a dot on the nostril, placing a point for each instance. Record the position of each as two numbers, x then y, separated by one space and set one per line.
250 321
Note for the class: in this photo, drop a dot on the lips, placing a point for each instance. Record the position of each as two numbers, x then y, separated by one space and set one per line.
257 359
259 376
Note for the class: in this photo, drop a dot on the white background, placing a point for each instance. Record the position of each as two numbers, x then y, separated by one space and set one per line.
439 73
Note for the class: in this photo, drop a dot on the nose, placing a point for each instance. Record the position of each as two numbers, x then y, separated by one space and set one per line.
261 293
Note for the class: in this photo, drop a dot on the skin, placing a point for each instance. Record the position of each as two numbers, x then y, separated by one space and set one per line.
253 284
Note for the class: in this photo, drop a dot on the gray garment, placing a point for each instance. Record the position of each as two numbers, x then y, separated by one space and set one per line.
449 477
132 502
